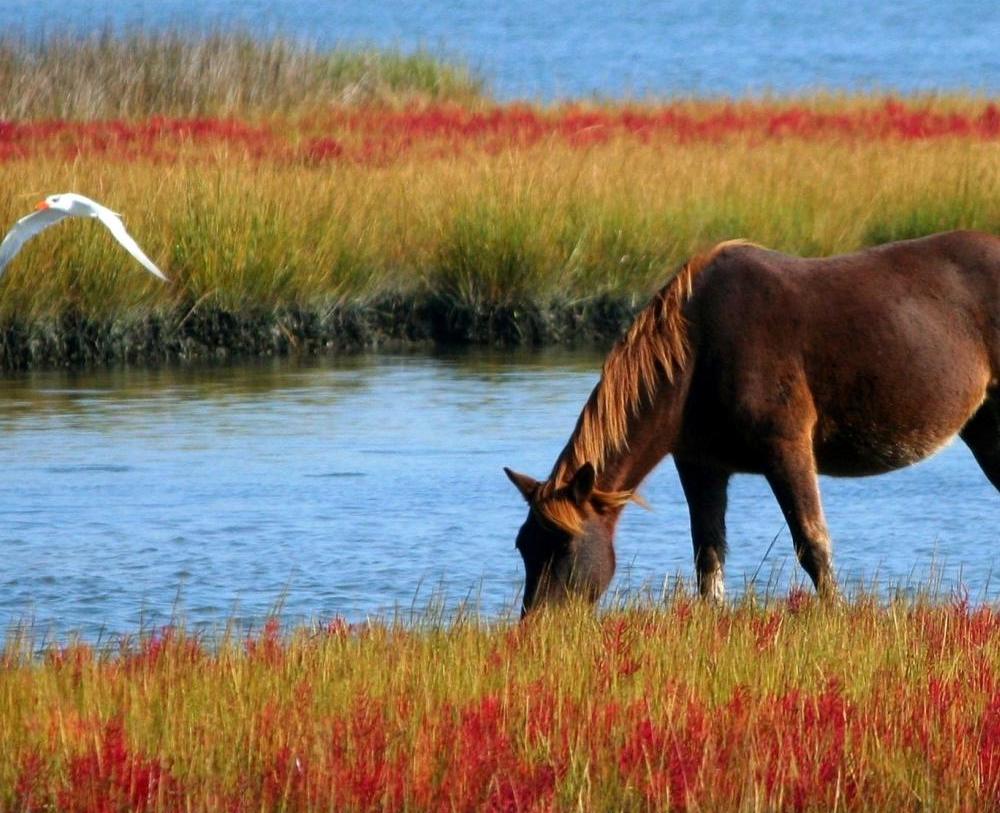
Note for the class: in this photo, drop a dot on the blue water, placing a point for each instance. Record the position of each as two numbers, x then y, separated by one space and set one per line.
546 49
370 484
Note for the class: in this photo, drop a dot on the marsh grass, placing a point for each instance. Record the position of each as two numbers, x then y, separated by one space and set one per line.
215 74
423 191
772 703
544 223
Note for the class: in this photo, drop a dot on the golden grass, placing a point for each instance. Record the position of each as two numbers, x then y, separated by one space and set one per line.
535 223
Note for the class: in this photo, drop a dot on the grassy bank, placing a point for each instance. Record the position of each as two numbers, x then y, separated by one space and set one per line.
544 221
292 199
783 705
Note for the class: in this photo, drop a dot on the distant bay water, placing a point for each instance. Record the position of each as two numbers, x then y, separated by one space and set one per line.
551 49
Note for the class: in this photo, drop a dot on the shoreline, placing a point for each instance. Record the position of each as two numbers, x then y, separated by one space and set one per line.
211 333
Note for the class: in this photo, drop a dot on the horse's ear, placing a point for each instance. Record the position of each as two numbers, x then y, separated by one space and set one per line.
582 485
525 484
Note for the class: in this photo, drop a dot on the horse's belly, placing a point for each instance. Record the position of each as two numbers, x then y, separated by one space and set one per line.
863 454
900 396
874 434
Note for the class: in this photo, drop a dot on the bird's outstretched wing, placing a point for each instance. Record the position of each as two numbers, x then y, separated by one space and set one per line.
26 228
117 228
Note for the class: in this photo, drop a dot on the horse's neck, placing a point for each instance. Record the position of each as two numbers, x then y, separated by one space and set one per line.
651 435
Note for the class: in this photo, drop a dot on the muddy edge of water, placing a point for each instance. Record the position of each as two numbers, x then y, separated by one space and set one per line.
209 332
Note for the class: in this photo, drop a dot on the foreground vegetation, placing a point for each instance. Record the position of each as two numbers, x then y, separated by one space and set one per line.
779 705
262 180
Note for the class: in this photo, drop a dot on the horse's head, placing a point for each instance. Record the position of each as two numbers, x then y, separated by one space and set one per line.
566 541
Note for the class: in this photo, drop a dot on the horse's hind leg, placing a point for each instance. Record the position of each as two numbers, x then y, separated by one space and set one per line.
792 477
982 435
705 491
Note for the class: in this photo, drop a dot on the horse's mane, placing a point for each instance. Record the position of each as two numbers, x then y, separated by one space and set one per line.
656 344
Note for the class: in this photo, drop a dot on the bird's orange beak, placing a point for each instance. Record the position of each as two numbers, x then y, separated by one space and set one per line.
41 205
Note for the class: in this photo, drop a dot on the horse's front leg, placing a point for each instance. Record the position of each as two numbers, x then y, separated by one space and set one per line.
705 491
791 473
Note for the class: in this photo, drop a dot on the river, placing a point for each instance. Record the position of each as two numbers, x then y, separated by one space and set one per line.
373 484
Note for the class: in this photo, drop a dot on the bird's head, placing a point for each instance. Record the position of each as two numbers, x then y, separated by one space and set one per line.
51 202
69 203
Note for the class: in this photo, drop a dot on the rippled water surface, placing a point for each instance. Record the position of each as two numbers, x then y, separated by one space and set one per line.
556 48
360 485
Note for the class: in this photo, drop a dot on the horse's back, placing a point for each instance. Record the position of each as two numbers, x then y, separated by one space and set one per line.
946 283
887 351
965 259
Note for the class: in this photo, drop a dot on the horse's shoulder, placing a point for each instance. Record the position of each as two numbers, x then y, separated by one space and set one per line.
742 279
749 264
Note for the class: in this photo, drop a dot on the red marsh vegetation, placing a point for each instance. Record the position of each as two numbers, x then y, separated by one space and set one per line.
378 134
786 705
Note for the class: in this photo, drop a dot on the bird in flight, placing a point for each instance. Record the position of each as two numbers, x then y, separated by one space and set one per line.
56 207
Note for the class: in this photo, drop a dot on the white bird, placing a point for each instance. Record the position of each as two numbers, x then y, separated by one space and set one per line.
56 207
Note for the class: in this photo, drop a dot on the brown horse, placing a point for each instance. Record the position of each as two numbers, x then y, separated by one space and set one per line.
753 361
